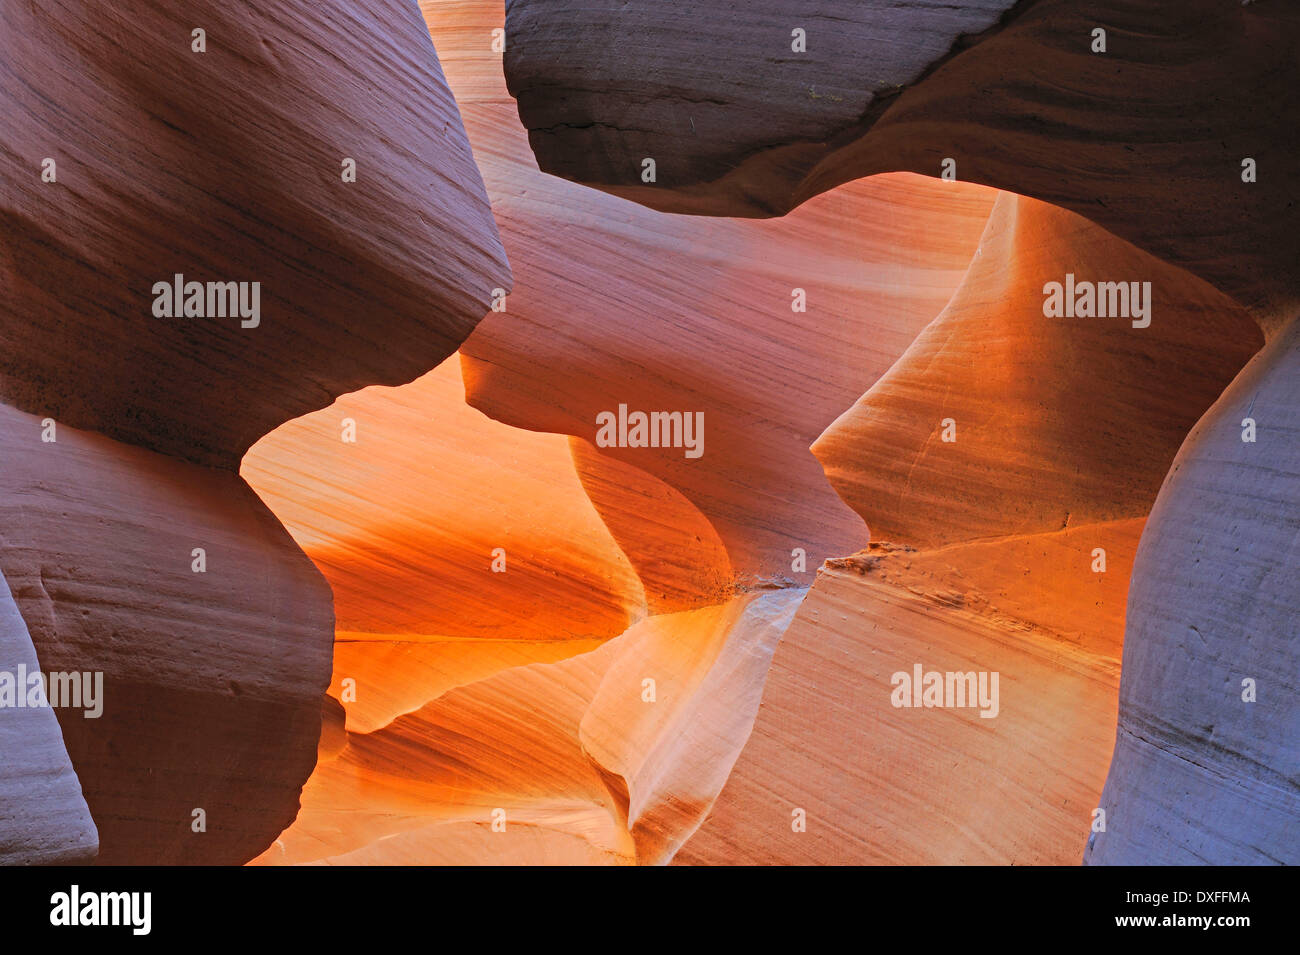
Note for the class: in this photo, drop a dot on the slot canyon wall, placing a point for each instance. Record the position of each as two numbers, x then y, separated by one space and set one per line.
129 543
367 584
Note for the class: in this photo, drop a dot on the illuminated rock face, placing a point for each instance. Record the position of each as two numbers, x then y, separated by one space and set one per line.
768 330
835 773
741 124
227 165
1205 762
1001 419
580 761
1006 552
430 520
1061 434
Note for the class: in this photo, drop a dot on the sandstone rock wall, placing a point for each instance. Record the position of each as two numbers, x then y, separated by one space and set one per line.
1206 767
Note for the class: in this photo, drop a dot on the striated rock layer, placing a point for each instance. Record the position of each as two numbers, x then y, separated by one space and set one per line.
1206 768
1062 430
403 522
391 675
666 747
696 316
675 740
217 143
227 166
766 329
579 761
702 88
679 557
835 773
1147 138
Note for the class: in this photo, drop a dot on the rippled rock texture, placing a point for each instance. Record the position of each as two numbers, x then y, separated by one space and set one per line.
368 575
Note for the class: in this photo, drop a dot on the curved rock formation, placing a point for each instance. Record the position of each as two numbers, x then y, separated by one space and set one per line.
1029 520
43 817
1000 420
312 153
226 165
834 773
456 546
679 557
430 520
640 323
614 304
603 86
1063 429
392 675
508 742
1147 138
213 663
1206 768
557 647
665 747
578 761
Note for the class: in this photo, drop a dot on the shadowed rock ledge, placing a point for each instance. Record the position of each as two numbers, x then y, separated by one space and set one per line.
1146 139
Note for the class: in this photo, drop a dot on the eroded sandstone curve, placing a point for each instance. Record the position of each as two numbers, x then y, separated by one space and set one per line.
431 520
1001 419
227 165
578 761
835 773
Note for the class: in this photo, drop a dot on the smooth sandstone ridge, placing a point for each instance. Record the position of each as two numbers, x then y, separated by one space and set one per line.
575 762
227 166
690 315
1064 430
1001 420
768 329
834 774
547 649
431 520
989 562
